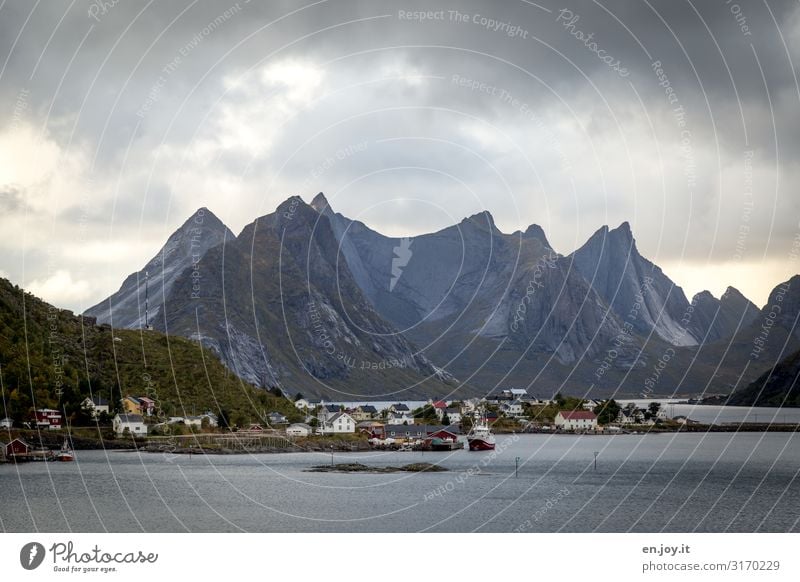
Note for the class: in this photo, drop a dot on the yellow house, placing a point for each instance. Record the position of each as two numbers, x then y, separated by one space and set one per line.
131 405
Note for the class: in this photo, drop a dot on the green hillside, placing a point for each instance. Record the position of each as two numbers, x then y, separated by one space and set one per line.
779 386
51 358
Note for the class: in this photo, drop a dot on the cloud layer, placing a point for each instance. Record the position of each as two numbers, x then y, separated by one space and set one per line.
121 120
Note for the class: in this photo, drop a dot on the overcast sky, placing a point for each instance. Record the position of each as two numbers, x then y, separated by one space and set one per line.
121 120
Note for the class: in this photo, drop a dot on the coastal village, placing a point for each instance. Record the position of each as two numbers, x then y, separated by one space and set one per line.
435 425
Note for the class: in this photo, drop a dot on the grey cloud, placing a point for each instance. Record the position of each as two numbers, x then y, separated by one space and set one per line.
91 96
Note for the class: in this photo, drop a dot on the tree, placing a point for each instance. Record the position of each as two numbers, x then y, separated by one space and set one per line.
445 419
223 419
425 413
298 396
607 411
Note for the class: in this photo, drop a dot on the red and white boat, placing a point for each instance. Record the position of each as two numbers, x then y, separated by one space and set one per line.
481 437
65 454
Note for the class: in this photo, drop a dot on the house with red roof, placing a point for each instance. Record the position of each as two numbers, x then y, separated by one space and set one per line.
576 420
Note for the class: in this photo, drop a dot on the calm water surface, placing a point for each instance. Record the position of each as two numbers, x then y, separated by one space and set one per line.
669 482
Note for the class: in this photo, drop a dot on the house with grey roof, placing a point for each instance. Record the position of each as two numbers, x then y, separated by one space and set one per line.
133 423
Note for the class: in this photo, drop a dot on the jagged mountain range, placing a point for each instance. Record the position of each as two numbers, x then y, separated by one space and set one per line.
310 300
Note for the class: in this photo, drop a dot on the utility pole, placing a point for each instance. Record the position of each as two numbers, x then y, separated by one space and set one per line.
595 460
516 467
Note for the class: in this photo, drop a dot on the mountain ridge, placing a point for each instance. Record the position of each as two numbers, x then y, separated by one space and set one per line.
467 301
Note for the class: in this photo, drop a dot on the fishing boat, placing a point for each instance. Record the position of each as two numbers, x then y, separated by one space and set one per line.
65 454
481 437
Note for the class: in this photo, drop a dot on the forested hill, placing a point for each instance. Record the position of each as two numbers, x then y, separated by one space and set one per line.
51 358
779 386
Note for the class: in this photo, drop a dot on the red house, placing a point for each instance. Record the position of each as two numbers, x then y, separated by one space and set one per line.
147 406
443 434
48 419
17 447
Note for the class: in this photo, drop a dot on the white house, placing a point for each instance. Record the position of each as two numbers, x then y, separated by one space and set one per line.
341 422
277 418
513 393
96 406
453 415
299 430
133 422
303 404
213 419
590 404
404 417
576 420
439 407
193 421
399 414
6 423
511 408
327 411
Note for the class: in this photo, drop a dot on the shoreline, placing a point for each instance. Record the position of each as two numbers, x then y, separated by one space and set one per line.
230 444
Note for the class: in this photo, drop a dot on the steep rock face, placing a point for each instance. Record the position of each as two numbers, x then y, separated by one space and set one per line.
471 280
556 311
280 308
783 306
184 248
714 319
636 289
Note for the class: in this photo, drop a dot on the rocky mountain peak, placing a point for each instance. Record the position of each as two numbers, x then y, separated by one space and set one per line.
185 247
483 220
320 203
535 231
703 296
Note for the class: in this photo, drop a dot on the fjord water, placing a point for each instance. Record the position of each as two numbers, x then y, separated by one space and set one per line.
717 482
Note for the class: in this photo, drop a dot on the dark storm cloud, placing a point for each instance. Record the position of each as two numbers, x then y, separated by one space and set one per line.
510 93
